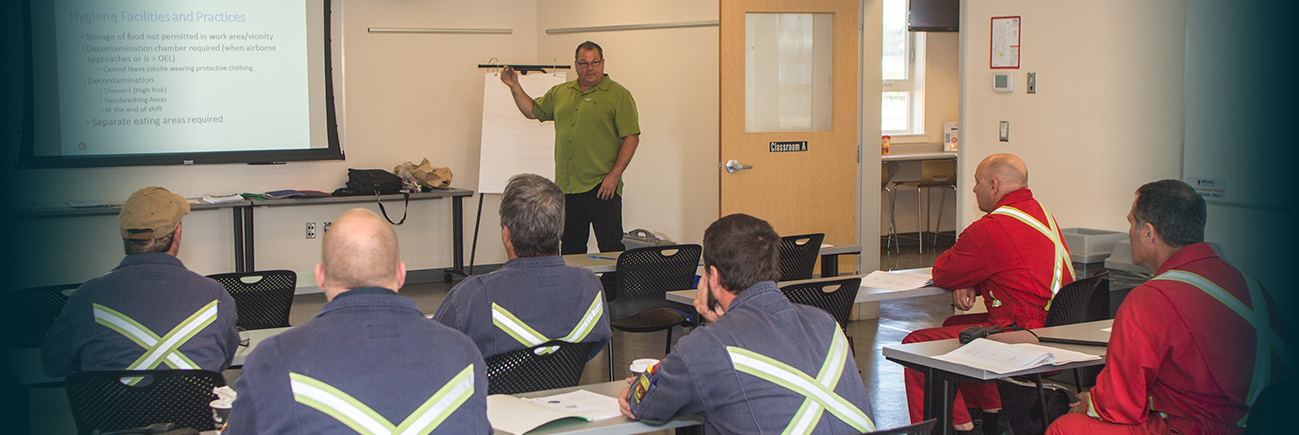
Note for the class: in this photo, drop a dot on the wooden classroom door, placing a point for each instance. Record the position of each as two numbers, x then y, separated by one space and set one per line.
788 107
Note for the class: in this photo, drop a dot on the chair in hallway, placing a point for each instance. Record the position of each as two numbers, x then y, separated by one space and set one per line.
887 171
798 255
933 173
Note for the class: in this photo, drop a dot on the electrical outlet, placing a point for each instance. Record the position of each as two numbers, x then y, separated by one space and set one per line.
1032 83
1005 131
325 228
311 230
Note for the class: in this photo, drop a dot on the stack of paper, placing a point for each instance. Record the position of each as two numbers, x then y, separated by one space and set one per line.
1001 358
518 416
897 280
222 199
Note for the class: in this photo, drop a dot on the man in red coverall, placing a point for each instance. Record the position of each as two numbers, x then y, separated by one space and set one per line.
1191 348
1015 258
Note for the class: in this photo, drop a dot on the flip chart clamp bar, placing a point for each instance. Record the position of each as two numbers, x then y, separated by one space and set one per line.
525 69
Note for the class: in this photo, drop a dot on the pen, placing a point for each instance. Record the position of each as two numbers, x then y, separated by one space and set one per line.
602 257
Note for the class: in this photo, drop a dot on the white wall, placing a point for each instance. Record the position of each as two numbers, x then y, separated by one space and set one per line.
671 185
1107 114
410 96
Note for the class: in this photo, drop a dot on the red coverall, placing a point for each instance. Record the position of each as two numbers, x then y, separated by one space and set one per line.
1179 352
1011 265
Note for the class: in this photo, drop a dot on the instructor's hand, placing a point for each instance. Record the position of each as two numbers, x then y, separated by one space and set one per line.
963 299
610 185
509 77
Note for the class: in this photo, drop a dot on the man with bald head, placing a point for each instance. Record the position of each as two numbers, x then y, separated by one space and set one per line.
1015 257
369 362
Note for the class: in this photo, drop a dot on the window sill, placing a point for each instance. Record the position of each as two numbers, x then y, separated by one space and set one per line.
908 138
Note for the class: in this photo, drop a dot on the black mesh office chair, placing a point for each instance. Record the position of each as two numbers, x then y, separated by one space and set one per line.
523 370
798 255
101 401
262 298
31 311
835 296
1084 300
922 428
1271 410
645 276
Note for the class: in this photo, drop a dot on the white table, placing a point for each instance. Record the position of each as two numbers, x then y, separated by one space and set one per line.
604 262
864 294
941 376
610 426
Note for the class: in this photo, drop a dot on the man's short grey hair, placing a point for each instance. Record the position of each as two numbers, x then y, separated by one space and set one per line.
161 244
588 45
1177 212
533 209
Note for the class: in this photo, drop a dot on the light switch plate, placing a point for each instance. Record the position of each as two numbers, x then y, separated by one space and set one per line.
1005 131
1032 83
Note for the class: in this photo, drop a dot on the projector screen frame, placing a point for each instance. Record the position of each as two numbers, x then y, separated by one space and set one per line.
27 159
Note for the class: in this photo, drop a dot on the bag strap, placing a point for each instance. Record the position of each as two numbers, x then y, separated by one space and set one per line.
405 209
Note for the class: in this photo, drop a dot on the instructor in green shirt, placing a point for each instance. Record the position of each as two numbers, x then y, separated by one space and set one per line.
596 134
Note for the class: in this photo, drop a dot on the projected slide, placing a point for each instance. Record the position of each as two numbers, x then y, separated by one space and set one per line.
167 76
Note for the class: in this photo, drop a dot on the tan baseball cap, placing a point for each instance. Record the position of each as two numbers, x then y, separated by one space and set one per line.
151 213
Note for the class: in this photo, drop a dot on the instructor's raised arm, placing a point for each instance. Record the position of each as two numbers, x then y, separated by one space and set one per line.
521 98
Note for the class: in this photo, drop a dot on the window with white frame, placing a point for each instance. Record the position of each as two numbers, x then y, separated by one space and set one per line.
903 99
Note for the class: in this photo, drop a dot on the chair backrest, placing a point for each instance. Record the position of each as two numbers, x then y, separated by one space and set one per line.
523 370
262 298
938 172
1084 300
646 275
798 255
31 312
838 301
101 401
1271 411
887 171
921 428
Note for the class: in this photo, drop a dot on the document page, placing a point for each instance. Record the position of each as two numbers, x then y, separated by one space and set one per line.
591 406
897 280
518 416
1000 357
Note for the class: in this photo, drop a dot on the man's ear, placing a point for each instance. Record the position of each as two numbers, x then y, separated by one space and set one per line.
320 276
1148 235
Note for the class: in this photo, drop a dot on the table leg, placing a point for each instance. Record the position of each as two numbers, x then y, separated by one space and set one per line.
940 391
457 239
239 238
829 265
249 264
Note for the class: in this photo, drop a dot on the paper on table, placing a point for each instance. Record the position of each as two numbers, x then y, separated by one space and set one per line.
518 416
1000 357
897 280
591 406
1110 329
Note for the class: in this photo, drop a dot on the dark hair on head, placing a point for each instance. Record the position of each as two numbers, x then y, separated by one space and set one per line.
1175 210
744 249
588 45
161 244
532 207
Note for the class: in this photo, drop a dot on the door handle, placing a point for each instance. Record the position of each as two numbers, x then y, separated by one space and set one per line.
734 166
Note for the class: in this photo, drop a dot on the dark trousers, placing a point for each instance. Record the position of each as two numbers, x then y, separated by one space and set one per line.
583 211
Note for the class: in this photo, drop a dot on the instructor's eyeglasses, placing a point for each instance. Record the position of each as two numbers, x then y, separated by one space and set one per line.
584 64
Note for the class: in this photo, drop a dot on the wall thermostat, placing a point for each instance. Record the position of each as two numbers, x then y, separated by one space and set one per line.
1003 82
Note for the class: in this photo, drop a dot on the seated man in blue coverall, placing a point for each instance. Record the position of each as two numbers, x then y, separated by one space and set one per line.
149 312
369 362
535 297
764 365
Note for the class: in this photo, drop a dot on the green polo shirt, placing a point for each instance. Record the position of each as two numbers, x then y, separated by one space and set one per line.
589 127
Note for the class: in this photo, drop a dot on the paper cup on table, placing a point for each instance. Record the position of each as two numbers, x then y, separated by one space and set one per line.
639 366
221 406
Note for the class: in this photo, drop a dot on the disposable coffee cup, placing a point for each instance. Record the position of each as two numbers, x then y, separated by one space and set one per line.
221 406
220 416
639 366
